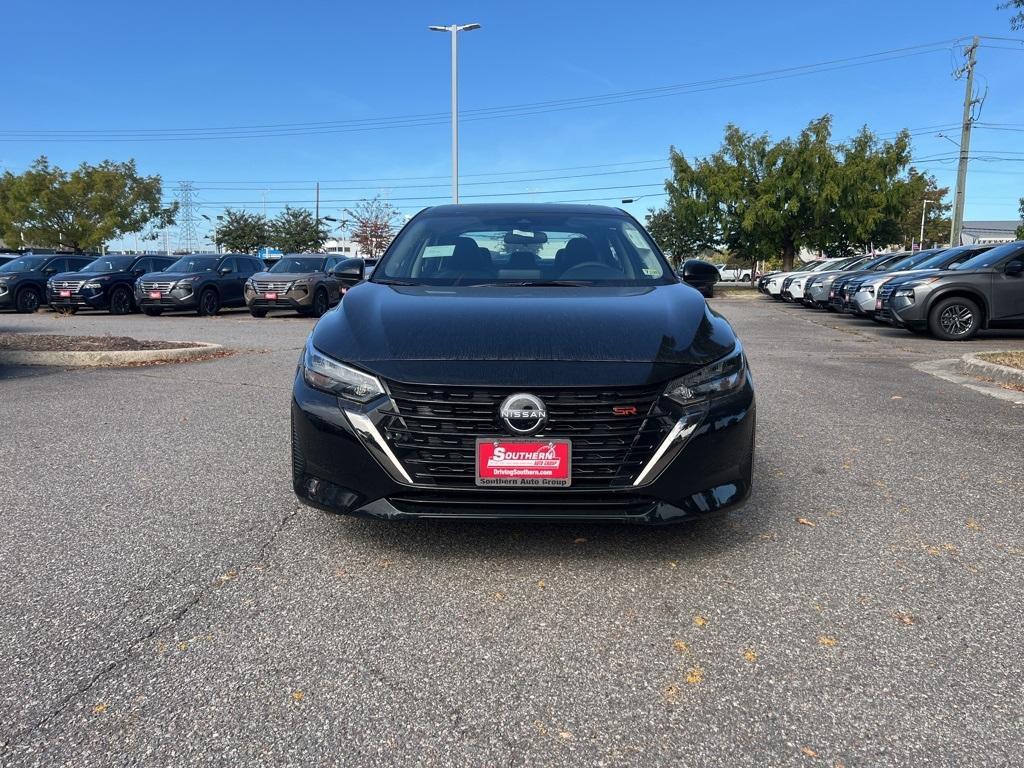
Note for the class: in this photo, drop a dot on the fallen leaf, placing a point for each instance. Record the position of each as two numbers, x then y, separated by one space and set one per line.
829 642
99 709
540 584
750 655
973 524
183 646
805 521
541 728
298 696
229 576
695 675
808 751
896 397
673 563
700 621
499 596
904 618
579 540
680 647
933 551
565 734
670 692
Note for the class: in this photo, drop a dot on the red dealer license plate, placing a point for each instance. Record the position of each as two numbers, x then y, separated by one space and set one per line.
154 294
270 296
537 464
65 294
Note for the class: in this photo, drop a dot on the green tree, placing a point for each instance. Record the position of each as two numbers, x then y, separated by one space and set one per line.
918 188
1020 229
241 232
372 225
762 199
81 209
1017 20
296 230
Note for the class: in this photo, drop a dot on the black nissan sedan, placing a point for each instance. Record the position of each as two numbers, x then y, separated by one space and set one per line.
534 361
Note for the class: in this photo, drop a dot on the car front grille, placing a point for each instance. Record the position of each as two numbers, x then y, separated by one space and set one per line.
271 286
433 430
157 285
67 285
884 295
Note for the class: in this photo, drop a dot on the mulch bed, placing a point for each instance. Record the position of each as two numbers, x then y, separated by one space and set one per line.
51 342
1009 359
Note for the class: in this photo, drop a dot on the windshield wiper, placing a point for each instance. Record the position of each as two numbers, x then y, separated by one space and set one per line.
393 281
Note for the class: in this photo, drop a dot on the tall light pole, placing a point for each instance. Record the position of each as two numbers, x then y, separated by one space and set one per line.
453 30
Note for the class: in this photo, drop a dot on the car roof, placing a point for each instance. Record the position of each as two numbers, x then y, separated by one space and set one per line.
512 209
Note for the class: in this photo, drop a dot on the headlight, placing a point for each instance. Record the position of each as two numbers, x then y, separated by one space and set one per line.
94 285
328 375
185 283
720 378
907 293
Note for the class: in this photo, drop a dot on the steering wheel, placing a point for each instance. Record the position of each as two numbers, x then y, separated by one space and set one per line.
603 270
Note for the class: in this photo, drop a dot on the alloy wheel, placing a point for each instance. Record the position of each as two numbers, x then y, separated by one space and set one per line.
956 319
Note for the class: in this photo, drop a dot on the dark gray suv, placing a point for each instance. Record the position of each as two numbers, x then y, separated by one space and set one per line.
306 283
984 292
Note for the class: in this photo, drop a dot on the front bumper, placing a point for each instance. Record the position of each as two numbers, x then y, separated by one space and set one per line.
80 300
907 313
339 465
297 299
172 300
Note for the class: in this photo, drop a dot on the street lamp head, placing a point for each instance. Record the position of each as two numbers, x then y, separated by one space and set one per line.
436 28
626 200
467 27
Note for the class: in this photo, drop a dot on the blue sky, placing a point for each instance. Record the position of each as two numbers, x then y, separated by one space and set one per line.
130 66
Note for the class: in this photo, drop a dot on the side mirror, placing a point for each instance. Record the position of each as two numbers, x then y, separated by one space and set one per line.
696 272
352 270
138 272
225 270
1014 267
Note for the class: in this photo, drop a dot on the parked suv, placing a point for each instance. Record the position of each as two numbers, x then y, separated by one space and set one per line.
23 280
950 258
573 377
305 282
106 283
985 292
203 283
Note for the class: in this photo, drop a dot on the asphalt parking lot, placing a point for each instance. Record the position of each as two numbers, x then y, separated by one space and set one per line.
166 598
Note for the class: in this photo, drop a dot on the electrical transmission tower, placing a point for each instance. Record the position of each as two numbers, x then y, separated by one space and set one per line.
188 236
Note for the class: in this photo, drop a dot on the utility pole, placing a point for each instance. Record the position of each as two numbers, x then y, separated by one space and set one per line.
965 144
318 201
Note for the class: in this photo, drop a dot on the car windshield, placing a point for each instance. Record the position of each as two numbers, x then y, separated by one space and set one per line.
24 264
294 264
988 258
523 248
885 263
194 264
110 264
911 261
856 264
943 259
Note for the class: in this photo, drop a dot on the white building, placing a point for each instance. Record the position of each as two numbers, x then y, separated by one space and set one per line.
343 247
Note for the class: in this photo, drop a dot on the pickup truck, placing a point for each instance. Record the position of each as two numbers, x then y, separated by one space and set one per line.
731 273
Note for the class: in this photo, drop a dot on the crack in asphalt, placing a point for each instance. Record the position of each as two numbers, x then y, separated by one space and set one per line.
133 646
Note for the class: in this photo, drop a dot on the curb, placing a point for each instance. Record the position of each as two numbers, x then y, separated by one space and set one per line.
102 359
972 365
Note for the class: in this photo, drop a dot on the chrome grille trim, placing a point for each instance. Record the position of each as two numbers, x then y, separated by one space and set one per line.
157 285
271 286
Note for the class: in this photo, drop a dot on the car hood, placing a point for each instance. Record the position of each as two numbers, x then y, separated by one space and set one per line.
283 277
165 276
505 335
85 275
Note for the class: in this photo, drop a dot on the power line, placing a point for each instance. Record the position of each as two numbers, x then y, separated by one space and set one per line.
517 110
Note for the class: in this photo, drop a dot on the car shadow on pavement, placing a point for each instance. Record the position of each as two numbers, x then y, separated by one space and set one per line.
543 539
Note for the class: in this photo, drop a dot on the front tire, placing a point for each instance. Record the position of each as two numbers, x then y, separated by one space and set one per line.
320 303
121 302
152 311
209 303
954 319
27 301
257 312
